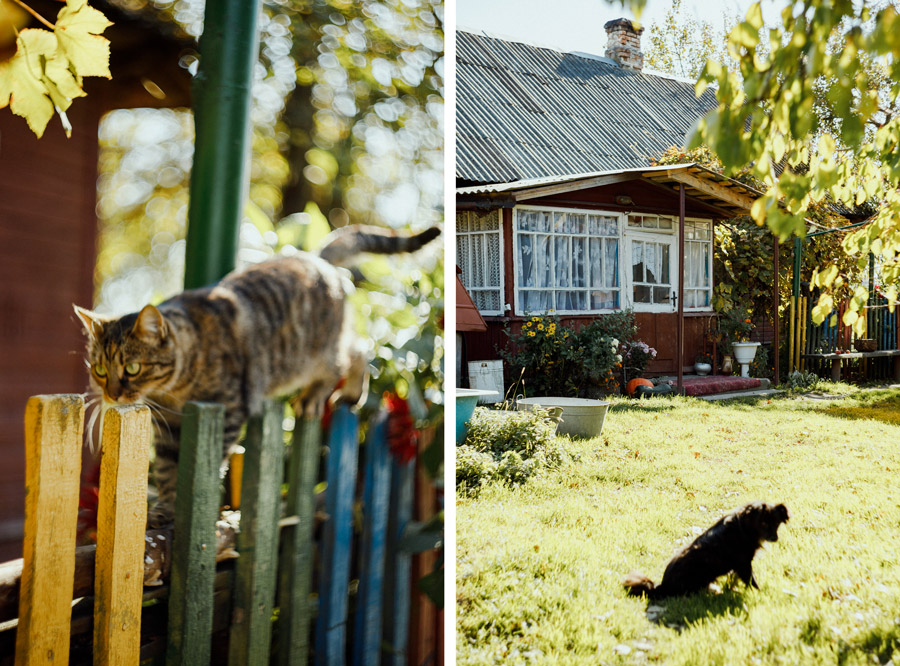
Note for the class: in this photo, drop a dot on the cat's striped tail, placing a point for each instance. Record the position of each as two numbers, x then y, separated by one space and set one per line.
343 244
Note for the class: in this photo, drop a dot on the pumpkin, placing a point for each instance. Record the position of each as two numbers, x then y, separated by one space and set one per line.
634 383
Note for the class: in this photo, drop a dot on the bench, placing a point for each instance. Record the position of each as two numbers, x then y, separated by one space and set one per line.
836 359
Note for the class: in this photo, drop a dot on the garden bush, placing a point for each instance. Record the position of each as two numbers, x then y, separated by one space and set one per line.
506 446
562 361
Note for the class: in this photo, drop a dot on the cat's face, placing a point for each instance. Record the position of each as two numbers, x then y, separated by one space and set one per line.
130 356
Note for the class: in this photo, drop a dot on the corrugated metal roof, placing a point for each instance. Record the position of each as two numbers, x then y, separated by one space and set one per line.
526 112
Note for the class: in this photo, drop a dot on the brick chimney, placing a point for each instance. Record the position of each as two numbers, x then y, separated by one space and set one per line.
624 43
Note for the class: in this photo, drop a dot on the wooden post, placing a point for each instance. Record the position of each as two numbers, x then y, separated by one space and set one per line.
121 522
376 497
679 353
257 542
775 318
331 625
194 547
792 334
296 560
53 435
804 325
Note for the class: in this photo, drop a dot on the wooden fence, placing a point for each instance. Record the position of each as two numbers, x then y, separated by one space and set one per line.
349 599
816 346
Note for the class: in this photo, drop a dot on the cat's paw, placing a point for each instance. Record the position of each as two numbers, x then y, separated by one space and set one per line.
160 515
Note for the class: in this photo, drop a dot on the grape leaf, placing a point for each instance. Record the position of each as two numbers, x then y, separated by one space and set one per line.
78 27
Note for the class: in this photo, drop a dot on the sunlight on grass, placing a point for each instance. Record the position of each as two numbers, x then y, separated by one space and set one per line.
539 567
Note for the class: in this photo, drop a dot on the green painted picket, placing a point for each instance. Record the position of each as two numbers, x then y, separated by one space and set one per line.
277 570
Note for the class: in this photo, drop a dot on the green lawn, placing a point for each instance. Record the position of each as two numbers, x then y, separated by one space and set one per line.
540 566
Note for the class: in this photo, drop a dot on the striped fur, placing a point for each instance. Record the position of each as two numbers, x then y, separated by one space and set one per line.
281 327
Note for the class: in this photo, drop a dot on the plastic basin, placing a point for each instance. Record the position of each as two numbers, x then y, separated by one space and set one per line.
466 400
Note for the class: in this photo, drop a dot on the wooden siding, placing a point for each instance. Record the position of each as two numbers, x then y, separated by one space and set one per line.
47 236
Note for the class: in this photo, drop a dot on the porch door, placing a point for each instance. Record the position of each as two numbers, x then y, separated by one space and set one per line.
652 258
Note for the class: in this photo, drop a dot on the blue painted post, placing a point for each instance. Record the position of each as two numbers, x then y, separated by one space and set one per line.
399 565
376 498
331 624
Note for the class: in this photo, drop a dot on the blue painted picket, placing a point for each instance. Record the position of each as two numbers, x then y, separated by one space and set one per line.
376 499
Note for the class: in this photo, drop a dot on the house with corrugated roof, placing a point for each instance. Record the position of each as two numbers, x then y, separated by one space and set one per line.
559 208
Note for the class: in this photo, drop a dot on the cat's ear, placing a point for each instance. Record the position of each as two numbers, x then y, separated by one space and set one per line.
150 325
91 321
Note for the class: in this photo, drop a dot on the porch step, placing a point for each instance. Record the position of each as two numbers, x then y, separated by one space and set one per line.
758 393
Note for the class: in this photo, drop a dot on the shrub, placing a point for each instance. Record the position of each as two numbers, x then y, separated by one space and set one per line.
761 365
802 380
506 446
558 360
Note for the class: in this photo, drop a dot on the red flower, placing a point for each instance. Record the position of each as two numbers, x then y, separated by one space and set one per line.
403 438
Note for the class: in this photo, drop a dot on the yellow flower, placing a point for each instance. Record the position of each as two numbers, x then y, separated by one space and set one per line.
551 329
540 327
530 334
527 324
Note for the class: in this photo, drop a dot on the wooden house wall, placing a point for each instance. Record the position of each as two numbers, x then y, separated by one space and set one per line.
48 245
656 329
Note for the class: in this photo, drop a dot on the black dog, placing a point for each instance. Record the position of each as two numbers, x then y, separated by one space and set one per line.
727 546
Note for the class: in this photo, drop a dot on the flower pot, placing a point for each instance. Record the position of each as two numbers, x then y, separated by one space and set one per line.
466 399
702 369
744 353
580 417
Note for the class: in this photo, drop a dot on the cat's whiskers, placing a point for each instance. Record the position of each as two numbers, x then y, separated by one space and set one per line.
158 416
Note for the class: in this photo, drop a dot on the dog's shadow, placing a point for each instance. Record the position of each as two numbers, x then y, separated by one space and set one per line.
681 613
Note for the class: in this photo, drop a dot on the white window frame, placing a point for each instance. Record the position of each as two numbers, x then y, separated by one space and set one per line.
482 236
709 266
649 236
626 235
580 211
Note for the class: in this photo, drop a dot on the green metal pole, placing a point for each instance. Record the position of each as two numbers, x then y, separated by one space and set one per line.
228 53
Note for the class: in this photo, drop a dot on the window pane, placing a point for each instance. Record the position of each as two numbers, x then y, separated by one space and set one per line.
535 301
665 274
665 223
604 300
634 220
637 261
611 263
462 221
526 260
576 223
563 260
650 222
493 268
578 262
641 293
651 257
596 262
543 261
462 258
477 262
661 294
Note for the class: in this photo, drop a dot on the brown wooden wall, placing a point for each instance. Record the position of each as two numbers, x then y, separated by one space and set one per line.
657 330
47 254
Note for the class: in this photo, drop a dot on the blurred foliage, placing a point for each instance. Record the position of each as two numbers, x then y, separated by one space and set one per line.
816 92
348 128
743 261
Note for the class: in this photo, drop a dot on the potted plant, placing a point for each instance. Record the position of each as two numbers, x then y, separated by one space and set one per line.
703 364
737 325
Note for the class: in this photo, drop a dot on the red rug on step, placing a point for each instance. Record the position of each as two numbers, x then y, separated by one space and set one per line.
711 384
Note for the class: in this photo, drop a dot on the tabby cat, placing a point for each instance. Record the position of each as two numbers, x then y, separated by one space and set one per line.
279 327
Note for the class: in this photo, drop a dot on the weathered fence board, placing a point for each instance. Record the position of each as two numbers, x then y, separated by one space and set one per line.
296 559
194 547
121 521
373 546
334 575
254 593
397 574
53 426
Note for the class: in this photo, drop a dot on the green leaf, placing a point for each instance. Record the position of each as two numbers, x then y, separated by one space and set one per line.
78 27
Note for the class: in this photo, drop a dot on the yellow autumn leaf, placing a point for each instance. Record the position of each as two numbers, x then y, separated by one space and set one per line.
24 76
78 27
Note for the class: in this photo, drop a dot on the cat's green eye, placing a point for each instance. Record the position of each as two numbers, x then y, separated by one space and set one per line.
132 369
100 370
